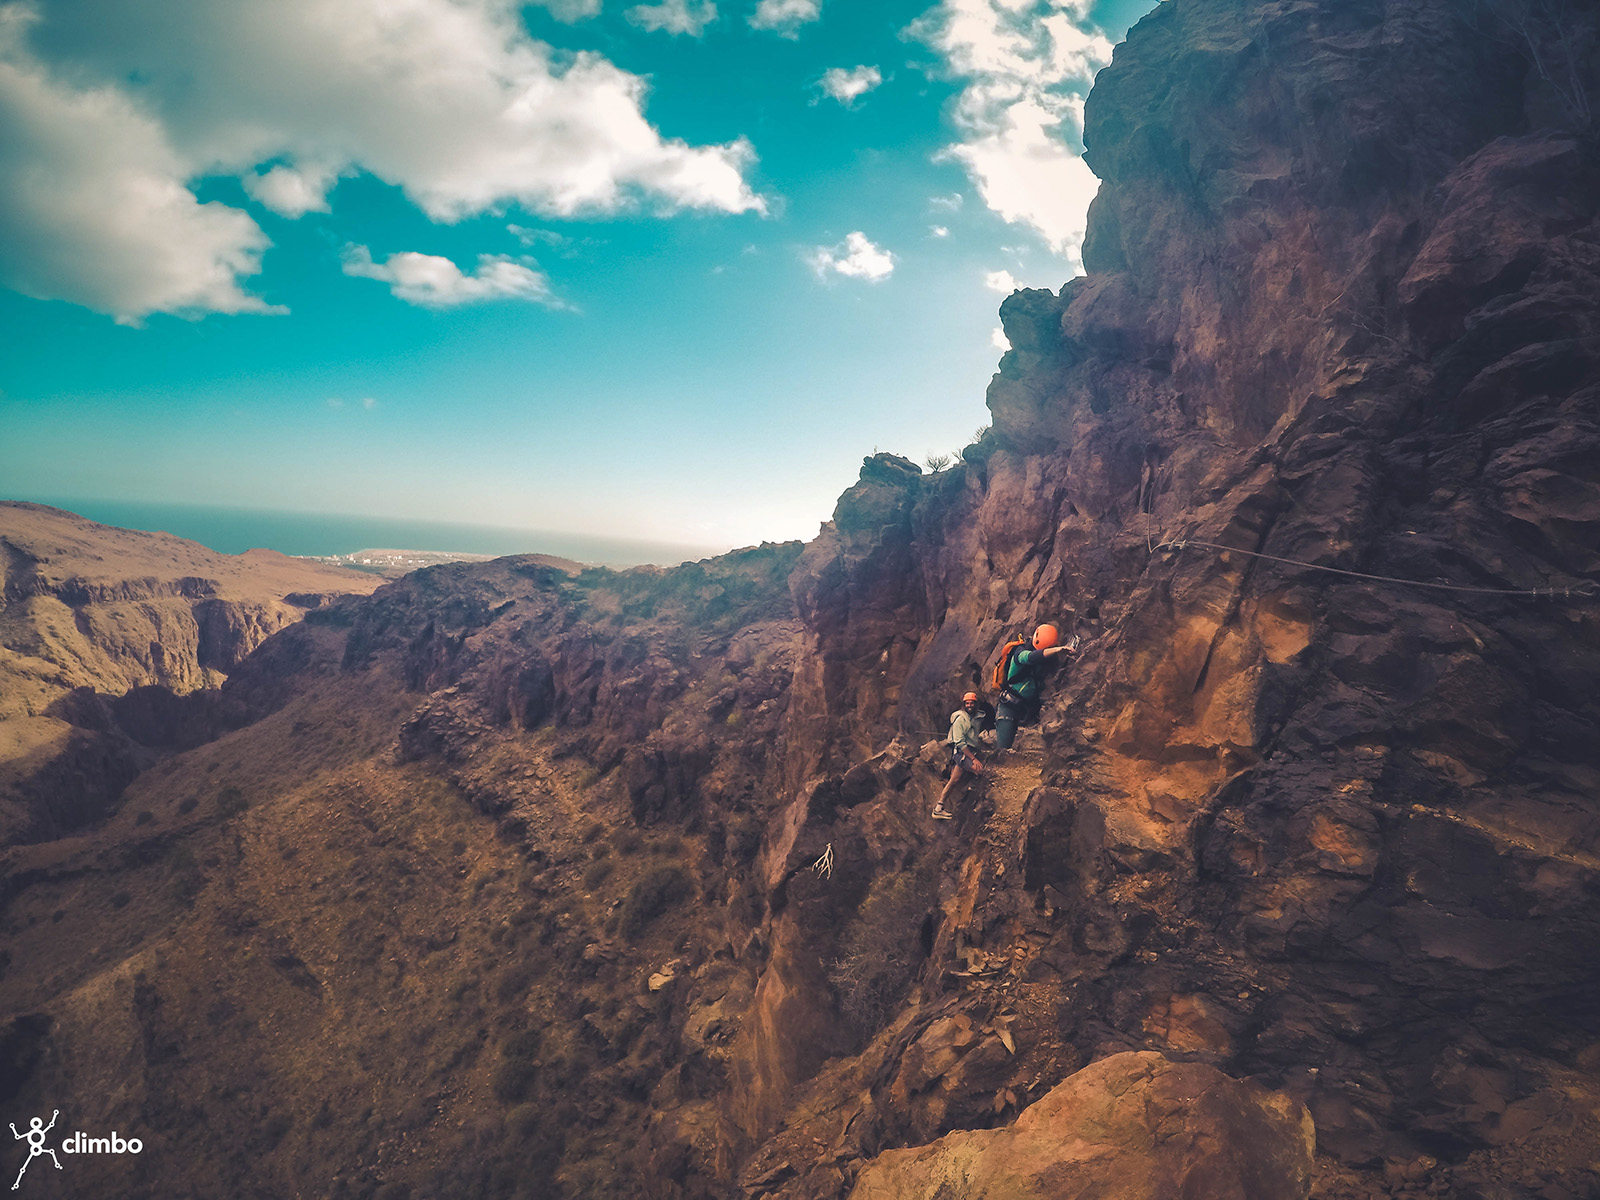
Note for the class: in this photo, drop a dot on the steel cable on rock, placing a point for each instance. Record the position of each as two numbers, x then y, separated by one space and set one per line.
1586 590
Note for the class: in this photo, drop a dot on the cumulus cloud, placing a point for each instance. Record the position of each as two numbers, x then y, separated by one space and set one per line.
674 16
1000 281
1027 65
434 282
938 231
849 86
73 160
292 191
785 17
107 121
854 258
999 340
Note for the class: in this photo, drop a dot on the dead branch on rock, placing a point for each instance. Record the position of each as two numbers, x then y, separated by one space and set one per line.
1552 38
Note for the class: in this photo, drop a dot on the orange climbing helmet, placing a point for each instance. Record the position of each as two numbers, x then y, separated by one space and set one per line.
1045 636
970 698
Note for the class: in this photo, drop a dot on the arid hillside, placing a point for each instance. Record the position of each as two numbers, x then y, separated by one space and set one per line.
91 617
505 881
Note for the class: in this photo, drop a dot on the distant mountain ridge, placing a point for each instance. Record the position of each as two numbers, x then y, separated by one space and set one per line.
89 605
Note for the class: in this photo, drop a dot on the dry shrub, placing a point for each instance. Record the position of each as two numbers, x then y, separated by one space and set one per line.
655 891
881 948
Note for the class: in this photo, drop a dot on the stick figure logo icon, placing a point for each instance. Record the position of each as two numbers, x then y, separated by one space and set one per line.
35 1139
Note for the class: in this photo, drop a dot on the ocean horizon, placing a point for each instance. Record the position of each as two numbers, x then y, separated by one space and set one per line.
235 530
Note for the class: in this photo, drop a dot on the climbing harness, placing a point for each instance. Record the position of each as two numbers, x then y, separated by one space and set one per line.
1587 589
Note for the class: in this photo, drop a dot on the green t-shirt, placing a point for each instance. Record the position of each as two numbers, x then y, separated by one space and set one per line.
1026 670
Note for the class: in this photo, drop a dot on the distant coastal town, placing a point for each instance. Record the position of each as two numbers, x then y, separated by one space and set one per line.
393 563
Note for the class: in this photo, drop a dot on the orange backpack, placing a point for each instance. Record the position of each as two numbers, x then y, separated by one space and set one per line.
1002 668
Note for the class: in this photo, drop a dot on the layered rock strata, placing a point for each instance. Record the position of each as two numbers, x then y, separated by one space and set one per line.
99 629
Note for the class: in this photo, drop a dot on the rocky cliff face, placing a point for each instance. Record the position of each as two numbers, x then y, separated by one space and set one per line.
1309 457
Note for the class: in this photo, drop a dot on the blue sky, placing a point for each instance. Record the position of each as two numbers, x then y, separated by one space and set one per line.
664 270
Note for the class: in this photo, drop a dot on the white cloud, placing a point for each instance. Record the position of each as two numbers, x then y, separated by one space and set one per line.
570 10
1000 281
108 120
674 16
854 258
999 340
849 86
335 402
293 191
950 203
1027 66
785 16
539 237
938 231
92 210
369 403
434 282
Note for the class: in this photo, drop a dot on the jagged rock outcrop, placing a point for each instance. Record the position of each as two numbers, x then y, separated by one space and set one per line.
1295 814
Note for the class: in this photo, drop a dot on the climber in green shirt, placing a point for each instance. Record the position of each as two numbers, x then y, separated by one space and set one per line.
1024 674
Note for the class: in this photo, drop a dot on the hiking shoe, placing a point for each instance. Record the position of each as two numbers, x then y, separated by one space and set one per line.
941 814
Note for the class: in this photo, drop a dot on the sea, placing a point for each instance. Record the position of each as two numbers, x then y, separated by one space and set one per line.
235 530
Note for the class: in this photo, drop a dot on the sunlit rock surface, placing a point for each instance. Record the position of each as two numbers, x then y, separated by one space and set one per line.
1131 1127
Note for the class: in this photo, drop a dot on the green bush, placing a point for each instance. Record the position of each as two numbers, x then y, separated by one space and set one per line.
743 838
273 1130
231 802
513 1080
515 982
521 1045
654 892
187 878
522 1121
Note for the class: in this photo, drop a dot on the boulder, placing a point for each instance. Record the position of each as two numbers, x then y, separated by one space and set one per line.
1132 1126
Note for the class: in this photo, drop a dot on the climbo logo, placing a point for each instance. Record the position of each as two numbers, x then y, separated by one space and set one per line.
75 1143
